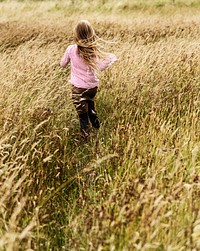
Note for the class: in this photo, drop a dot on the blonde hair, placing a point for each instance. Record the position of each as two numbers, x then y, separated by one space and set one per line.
88 43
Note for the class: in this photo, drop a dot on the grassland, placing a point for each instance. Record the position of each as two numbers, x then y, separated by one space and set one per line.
136 184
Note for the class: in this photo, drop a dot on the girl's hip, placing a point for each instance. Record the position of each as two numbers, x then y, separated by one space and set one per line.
84 92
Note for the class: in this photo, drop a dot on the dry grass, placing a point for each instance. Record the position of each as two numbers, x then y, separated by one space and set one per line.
135 184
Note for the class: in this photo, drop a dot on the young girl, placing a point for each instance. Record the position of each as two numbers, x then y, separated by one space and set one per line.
86 59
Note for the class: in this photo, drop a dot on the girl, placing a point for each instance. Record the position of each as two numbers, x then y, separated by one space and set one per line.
86 59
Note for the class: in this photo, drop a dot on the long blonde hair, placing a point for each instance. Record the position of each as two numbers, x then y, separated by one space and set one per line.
88 43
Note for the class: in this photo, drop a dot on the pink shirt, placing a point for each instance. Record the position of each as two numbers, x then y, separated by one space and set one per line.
82 76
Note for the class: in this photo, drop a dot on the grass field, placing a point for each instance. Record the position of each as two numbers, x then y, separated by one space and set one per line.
135 185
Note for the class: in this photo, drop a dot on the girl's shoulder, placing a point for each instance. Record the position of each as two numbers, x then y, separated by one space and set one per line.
71 47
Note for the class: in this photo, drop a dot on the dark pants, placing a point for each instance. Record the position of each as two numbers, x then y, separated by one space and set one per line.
83 100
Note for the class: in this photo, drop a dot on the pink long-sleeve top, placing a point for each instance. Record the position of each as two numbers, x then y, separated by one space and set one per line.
82 76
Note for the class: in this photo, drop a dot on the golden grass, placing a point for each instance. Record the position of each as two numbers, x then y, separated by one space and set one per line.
135 184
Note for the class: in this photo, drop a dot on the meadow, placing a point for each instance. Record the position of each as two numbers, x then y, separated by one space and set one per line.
135 185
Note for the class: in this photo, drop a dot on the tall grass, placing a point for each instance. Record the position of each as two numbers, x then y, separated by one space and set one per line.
135 184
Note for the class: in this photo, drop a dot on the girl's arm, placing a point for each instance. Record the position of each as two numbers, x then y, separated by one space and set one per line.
65 59
103 64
